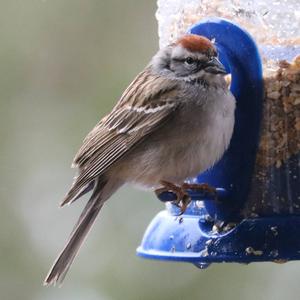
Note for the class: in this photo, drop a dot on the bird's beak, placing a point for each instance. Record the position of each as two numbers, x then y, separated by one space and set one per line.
215 66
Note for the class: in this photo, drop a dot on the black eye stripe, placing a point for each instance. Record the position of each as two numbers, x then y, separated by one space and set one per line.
178 59
196 61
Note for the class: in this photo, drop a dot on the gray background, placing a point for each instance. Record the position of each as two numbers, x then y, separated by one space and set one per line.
63 64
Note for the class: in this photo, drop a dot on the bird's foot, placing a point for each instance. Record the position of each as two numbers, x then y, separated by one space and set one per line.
200 187
183 199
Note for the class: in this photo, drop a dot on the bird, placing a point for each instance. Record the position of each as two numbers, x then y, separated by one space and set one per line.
174 120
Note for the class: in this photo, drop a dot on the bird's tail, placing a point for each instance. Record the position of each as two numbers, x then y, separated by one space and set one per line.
102 191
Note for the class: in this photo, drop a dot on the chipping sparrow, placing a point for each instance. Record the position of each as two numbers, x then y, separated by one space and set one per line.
173 121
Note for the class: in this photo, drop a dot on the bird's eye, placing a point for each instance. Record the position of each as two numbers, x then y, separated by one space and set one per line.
189 60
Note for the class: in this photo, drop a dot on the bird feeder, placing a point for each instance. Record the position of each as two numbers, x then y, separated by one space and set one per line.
257 215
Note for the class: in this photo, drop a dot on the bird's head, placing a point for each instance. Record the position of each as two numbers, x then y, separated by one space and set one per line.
190 57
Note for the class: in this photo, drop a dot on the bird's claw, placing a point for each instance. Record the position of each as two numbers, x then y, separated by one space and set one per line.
201 187
183 199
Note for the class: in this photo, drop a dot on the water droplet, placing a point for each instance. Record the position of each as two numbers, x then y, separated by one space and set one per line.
171 237
173 249
274 253
180 220
202 265
188 246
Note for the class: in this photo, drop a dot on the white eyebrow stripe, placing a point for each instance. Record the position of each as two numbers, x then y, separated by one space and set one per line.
149 110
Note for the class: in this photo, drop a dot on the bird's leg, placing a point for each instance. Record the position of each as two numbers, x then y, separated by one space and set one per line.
201 187
182 197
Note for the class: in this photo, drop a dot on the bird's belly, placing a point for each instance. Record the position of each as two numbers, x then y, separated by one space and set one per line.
194 155
174 155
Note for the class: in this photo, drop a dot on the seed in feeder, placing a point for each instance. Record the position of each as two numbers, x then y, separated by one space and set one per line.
297 123
284 64
297 101
273 95
208 242
278 164
250 250
274 253
274 230
200 204
280 261
229 226
204 252
208 218
276 143
188 246
215 229
279 135
258 252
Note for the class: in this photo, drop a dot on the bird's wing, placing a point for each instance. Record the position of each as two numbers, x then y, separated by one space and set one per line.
128 124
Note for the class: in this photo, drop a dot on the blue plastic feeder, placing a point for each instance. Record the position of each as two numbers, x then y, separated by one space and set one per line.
225 231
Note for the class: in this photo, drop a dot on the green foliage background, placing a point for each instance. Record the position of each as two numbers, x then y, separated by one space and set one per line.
63 64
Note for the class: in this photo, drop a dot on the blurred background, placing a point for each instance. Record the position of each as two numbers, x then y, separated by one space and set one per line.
64 63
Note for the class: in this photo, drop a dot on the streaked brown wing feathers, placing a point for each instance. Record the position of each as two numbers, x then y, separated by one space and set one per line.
126 115
122 129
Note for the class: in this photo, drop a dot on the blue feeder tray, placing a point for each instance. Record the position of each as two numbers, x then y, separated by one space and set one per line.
215 231
192 238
